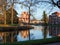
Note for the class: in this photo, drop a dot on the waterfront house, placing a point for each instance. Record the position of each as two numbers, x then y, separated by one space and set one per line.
34 21
54 21
24 17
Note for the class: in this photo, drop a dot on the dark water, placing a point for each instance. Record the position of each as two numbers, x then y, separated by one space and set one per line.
39 32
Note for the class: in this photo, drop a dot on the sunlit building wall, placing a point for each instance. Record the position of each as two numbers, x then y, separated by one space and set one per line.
24 17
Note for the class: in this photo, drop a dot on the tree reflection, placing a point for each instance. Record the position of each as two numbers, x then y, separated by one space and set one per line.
45 31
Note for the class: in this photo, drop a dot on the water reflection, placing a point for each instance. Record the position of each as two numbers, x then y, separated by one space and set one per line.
7 37
23 35
45 31
39 32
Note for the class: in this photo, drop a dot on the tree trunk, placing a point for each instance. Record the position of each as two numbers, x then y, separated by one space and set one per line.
12 15
29 21
4 8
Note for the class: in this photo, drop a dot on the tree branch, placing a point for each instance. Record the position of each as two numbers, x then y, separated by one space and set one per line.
53 2
40 1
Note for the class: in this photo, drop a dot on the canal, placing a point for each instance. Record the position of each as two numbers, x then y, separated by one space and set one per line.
39 32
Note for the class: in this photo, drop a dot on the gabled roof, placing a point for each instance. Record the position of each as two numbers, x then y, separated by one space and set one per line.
13 10
56 14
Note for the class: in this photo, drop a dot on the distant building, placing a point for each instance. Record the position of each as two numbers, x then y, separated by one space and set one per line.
34 21
24 17
54 20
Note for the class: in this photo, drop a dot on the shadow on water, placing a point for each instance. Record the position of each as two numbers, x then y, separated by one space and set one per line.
45 31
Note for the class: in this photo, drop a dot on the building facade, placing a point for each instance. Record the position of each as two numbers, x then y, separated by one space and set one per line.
36 21
24 17
54 21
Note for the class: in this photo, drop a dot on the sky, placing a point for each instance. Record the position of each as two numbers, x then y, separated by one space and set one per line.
38 10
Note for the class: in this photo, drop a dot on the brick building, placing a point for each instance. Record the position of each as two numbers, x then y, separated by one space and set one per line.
24 17
54 21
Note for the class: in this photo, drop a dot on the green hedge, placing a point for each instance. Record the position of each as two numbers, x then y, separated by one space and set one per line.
41 41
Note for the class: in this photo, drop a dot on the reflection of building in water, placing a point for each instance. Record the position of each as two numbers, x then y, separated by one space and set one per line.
54 20
24 33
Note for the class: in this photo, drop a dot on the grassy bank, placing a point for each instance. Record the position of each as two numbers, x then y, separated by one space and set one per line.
34 42
7 25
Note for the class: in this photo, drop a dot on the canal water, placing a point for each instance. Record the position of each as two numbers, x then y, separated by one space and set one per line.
39 32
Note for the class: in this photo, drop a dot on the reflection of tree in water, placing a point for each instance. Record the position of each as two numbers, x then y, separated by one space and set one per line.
32 37
45 32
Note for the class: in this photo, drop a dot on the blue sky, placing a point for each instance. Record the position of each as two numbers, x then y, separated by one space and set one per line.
39 10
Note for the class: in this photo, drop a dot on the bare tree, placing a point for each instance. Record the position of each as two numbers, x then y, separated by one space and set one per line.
28 4
32 3
56 3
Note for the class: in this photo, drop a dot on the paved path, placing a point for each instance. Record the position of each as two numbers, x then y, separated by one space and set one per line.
57 43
